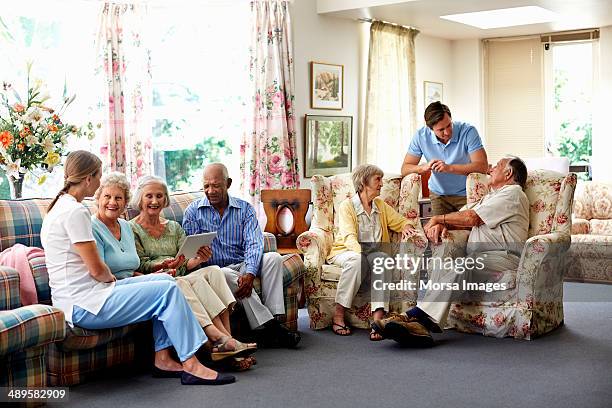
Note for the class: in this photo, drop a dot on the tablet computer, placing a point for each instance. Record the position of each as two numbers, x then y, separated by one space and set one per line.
194 242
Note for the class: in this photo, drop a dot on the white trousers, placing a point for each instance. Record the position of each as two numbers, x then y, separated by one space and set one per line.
436 303
272 302
356 268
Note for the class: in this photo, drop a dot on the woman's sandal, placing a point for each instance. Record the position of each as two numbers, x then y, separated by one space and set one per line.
347 330
220 349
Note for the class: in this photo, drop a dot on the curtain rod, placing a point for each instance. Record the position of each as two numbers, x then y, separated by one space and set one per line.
370 20
595 32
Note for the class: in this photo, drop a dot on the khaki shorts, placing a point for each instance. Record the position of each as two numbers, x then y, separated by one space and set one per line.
446 204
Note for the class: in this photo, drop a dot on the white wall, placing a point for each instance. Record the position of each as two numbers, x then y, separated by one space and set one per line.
467 104
323 39
602 136
433 57
342 41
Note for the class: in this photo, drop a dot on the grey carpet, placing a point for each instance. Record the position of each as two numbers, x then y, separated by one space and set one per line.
571 367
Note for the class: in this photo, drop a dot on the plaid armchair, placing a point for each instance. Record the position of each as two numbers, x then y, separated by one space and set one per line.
321 280
83 352
535 305
25 332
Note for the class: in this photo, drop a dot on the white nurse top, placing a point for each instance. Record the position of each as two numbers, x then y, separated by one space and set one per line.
66 224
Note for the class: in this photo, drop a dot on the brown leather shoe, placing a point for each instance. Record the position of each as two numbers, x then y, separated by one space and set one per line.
379 325
411 333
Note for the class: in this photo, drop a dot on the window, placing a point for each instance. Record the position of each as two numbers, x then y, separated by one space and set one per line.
62 58
199 56
200 80
514 98
569 98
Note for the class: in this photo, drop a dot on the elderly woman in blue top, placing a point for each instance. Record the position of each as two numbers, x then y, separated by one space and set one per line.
238 250
452 150
114 236
90 296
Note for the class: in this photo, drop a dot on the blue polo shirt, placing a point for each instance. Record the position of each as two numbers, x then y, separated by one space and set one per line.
464 141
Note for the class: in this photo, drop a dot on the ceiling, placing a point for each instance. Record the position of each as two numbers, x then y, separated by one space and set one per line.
425 15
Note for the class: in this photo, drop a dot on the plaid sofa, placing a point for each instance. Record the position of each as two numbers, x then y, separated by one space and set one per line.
84 352
25 333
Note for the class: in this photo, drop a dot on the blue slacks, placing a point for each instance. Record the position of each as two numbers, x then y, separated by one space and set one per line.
149 297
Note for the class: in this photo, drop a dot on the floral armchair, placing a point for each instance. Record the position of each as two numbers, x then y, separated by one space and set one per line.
533 305
590 256
321 280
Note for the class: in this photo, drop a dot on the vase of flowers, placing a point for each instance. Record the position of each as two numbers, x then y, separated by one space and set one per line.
32 135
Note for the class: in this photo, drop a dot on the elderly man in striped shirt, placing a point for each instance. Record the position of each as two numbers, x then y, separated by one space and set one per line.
238 250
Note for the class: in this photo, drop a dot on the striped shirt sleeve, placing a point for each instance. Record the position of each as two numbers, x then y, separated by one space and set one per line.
253 242
190 221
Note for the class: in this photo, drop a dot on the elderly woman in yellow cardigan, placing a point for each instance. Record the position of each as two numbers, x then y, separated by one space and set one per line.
364 222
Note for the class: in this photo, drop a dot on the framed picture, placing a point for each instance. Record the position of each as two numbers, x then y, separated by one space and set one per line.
432 92
326 86
328 145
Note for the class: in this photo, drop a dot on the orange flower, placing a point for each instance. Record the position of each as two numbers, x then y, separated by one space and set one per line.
18 107
6 138
21 146
52 128
25 131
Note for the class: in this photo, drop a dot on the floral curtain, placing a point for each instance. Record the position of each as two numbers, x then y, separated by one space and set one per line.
390 118
268 153
124 65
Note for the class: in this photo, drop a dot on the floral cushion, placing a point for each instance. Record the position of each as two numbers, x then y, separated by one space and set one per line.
593 203
593 200
601 227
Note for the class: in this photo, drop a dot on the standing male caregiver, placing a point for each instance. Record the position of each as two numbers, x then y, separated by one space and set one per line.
453 150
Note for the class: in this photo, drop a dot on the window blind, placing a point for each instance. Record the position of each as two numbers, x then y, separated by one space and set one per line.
514 98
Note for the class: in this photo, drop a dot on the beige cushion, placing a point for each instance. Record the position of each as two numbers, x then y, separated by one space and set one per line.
330 273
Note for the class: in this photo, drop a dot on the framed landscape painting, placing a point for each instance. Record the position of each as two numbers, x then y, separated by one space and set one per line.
326 86
328 145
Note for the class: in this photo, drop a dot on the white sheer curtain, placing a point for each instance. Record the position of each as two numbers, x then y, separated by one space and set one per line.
390 110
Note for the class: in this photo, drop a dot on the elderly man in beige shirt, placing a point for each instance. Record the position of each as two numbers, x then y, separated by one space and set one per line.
499 223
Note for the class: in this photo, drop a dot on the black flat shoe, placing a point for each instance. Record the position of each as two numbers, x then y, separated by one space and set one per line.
159 373
189 379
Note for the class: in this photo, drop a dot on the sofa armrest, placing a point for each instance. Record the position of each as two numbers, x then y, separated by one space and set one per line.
9 288
30 326
580 226
269 242
453 246
540 272
315 244
416 244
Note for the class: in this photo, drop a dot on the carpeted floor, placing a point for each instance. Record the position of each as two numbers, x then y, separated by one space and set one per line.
571 367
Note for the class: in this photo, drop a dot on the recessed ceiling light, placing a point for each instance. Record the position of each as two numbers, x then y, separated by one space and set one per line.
509 17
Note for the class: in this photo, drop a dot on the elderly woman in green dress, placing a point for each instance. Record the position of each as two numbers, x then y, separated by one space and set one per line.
157 243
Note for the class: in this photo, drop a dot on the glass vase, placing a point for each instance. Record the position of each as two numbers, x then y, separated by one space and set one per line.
16 186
